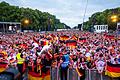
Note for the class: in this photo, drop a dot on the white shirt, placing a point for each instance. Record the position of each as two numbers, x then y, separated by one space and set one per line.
87 54
35 45
100 64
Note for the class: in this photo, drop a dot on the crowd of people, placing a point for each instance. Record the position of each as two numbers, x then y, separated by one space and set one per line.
63 49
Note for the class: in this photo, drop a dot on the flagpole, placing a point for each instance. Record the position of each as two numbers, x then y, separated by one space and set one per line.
84 16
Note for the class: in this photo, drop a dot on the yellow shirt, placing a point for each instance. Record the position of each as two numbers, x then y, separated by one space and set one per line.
19 59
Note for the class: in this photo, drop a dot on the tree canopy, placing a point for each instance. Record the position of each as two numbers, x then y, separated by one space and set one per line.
101 18
37 19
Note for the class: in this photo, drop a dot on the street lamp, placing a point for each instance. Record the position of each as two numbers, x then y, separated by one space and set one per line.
26 21
114 18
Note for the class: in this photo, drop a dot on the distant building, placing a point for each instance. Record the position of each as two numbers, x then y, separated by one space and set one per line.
67 29
28 30
118 28
101 28
63 29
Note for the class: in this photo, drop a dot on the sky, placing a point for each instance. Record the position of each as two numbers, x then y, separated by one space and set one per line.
70 12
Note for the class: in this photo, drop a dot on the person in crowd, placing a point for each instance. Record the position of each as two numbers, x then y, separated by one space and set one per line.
20 61
64 65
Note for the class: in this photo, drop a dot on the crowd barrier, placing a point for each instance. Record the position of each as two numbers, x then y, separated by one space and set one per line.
10 74
90 74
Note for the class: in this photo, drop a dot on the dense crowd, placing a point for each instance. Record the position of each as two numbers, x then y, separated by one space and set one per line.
38 50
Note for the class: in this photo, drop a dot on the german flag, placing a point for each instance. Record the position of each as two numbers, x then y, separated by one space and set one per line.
71 43
36 76
112 70
112 37
82 40
44 42
64 37
3 67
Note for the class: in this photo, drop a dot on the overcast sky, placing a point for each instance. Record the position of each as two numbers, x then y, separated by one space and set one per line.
68 11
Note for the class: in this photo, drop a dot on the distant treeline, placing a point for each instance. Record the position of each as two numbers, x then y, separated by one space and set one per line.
102 18
37 20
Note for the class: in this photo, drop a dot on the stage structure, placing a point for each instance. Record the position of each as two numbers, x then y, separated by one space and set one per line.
10 27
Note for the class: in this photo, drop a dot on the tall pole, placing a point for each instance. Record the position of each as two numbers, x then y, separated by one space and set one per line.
84 15
117 33
3 28
49 24
114 19
20 28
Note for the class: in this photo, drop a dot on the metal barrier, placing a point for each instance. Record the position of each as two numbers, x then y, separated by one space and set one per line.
94 75
54 74
91 74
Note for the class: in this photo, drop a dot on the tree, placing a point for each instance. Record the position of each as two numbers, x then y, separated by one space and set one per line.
102 18
38 20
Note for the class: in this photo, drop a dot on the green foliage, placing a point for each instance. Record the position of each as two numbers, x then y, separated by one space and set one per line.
102 18
38 20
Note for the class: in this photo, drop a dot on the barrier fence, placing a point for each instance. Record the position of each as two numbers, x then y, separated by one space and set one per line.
91 74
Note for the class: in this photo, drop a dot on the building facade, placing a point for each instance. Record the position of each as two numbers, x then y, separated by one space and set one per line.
118 28
101 28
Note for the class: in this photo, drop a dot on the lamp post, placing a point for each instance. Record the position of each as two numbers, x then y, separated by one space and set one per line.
114 19
26 22
49 24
